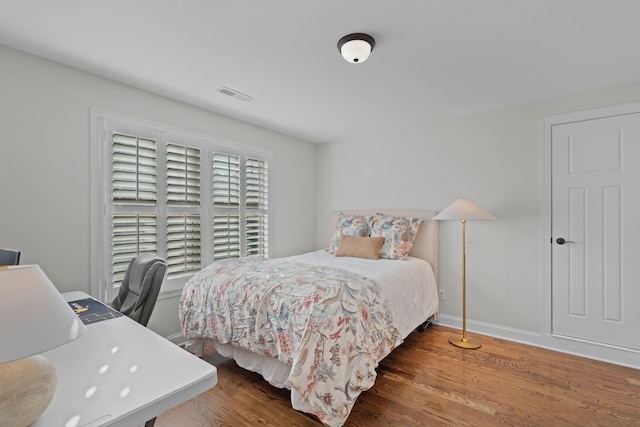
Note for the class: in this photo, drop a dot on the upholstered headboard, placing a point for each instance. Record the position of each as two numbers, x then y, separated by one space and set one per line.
425 245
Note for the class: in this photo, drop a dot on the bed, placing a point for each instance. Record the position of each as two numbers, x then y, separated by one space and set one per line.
319 323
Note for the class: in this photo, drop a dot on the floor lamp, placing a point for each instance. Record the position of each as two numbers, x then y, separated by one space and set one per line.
463 210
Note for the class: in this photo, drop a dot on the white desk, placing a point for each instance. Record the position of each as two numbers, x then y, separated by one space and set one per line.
120 373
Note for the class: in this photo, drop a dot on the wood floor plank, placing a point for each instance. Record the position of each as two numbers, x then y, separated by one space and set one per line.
429 382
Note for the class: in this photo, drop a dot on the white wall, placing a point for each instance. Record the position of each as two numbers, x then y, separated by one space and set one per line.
45 177
493 159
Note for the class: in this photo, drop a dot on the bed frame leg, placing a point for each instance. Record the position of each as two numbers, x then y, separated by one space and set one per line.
424 325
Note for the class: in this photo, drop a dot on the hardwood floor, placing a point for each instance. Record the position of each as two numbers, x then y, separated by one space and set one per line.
429 382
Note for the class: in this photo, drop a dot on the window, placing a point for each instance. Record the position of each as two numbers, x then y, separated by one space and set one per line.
237 201
189 199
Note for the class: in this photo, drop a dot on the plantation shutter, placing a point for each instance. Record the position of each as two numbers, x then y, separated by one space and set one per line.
226 204
226 236
134 183
134 170
226 181
183 175
256 172
240 206
183 193
133 235
183 244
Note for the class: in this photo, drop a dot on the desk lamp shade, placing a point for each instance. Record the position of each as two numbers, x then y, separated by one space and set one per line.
464 210
34 318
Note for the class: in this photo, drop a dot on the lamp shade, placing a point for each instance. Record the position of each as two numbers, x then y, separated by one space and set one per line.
356 48
34 317
463 209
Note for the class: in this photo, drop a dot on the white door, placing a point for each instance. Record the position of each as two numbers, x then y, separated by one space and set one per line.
595 204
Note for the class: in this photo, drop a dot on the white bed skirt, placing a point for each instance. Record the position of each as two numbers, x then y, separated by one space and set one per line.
275 372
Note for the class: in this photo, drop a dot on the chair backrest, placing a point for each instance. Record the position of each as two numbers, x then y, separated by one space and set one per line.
9 257
140 288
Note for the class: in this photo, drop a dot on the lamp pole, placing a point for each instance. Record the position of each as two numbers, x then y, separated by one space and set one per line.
463 210
457 340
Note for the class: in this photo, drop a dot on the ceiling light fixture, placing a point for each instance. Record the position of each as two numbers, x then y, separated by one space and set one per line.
356 48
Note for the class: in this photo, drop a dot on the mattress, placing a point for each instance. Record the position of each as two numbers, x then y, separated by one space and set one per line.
409 284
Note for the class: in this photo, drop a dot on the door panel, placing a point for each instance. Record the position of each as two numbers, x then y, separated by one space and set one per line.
596 209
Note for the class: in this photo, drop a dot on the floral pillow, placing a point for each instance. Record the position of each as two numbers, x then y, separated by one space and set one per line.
398 232
349 225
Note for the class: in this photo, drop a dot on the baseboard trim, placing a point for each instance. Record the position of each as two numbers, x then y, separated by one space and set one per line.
497 331
598 351
177 339
590 350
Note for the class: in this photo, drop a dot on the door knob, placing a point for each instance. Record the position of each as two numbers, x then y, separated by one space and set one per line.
561 241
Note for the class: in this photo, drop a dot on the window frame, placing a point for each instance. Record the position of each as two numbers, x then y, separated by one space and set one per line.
102 207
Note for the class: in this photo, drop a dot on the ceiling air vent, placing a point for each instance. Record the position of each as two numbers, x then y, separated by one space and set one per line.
234 94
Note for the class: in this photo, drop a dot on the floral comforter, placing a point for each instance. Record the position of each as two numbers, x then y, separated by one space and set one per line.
330 325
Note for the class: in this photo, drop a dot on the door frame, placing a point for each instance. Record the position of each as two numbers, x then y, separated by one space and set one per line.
594 350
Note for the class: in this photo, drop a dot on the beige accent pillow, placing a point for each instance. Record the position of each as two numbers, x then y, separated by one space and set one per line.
360 247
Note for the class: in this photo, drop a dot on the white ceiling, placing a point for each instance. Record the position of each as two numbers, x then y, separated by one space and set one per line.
433 59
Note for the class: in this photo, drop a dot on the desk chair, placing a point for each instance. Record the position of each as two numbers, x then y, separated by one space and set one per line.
140 288
139 291
9 257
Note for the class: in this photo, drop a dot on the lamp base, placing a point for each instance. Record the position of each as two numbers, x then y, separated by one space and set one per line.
27 389
459 341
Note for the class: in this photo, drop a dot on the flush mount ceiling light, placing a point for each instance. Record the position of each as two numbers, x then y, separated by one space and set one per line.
355 48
